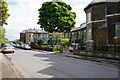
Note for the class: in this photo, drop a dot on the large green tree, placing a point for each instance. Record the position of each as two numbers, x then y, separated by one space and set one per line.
2 34
3 12
56 16
3 17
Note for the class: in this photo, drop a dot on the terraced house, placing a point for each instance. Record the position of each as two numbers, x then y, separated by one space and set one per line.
32 35
79 33
103 25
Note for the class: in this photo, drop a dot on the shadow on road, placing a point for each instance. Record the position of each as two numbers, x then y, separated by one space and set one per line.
56 69
63 67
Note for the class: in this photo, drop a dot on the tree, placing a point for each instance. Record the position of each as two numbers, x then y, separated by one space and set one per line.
3 12
16 41
2 34
3 16
56 16
64 41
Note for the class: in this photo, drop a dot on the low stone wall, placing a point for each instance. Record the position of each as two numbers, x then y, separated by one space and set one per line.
46 49
98 54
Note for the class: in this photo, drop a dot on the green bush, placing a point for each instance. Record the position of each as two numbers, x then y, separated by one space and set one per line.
46 46
80 40
56 47
40 42
36 46
64 41
50 41
20 43
32 44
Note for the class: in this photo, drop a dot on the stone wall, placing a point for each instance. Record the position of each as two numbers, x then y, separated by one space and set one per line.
98 12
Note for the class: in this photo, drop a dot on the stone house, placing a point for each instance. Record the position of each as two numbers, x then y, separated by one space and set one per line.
33 35
103 25
79 33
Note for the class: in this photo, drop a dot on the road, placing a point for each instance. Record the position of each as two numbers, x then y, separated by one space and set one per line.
35 64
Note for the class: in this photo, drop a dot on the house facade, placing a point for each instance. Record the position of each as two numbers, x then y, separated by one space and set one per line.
33 35
79 33
103 25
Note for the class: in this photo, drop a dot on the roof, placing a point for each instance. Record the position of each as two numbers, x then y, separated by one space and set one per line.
100 1
95 2
33 31
81 27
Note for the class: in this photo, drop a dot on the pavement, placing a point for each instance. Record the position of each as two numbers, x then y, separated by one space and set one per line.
6 69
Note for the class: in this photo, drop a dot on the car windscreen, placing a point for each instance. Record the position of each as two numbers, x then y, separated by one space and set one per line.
8 46
27 46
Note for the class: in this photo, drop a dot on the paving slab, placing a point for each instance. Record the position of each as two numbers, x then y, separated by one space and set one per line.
7 69
0 65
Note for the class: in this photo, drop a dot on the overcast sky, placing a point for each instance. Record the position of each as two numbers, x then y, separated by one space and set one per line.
24 15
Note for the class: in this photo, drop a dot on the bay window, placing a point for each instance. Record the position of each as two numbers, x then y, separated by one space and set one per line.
89 34
117 29
88 17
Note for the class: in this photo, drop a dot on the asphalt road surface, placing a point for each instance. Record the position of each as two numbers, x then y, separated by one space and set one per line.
34 64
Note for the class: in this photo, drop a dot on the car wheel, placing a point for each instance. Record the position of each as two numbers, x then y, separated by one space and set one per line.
71 51
13 52
3 52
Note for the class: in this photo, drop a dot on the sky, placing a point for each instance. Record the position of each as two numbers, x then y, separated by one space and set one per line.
24 15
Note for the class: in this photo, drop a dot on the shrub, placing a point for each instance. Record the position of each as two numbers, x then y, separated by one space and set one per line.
56 47
32 44
46 46
40 42
80 40
50 41
20 43
64 41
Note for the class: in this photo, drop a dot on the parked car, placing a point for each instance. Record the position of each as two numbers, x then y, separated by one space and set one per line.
22 46
26 47
8 48
18 45
14 45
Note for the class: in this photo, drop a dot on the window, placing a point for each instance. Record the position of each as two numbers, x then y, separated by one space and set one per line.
88 17
117 29
34 35
43 35
38 35
28 35
29 40
47 35
89 34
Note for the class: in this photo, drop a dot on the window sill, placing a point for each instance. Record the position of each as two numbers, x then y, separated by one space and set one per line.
90 41
116 37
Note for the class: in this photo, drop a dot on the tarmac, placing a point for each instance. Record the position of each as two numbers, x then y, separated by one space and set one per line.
93 59
7 69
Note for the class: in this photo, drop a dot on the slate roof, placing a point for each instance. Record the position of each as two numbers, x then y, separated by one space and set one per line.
100 1
97 1
33 31
81 27
94 2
